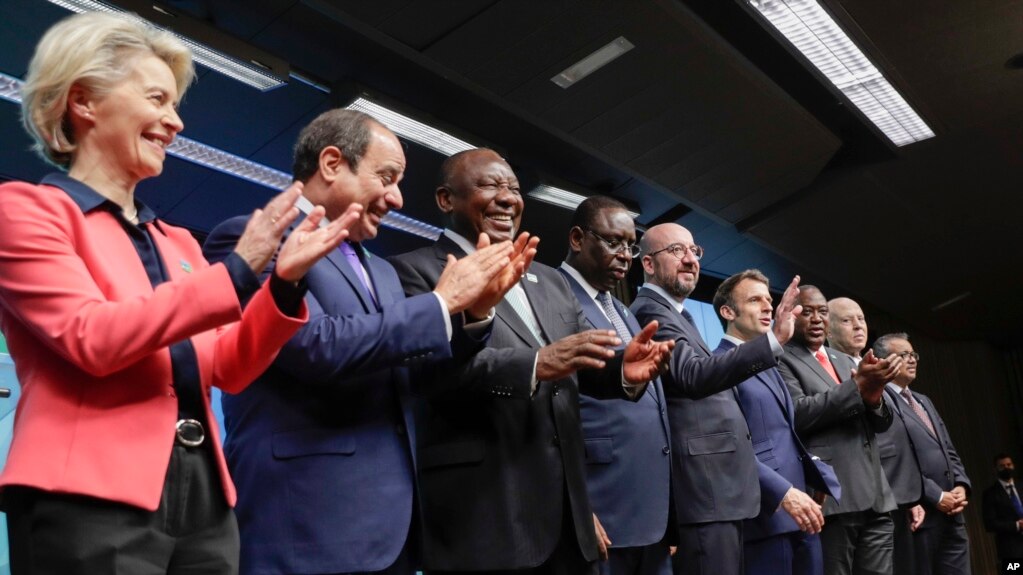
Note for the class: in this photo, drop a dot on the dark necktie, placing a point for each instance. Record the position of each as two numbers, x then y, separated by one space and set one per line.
616 319
918 410
1015 500
689 317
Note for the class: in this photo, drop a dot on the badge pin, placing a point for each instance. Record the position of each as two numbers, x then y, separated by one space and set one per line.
531 277
186 266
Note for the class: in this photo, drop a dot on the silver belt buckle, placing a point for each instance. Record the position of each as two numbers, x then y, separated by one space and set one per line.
189 432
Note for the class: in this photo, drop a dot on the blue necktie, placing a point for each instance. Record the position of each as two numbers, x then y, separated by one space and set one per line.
1015 501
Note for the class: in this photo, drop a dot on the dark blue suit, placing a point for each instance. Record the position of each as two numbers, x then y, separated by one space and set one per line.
628 463
320 446
772 541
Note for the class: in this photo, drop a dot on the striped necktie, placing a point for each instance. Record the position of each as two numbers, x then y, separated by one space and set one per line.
918 410
612 314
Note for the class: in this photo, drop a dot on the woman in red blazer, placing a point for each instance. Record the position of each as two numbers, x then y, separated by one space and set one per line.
118 326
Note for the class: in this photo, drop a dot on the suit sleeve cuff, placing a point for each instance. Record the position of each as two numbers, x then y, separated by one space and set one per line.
445 314
776 347
244 280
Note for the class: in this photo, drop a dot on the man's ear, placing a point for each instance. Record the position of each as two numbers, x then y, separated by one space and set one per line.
443 197
575 239
331 163
727 312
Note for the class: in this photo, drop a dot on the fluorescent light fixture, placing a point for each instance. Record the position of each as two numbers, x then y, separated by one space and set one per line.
411 129
595 61
563 198
239 167
251 72
823 42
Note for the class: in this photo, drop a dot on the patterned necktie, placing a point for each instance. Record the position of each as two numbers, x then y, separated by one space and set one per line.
516 297
353 260
612 314
1015 500
918 410
823 360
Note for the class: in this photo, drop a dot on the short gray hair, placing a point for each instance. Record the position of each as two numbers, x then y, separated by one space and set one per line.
94 50
881 348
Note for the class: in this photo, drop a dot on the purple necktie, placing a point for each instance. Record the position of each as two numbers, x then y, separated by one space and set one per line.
353 260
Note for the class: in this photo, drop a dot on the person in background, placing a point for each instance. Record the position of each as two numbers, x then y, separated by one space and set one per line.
118 326
847 327
1003 511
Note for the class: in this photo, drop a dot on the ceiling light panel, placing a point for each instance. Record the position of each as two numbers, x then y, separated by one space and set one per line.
595 61
411 129
822 41
252 73
562 198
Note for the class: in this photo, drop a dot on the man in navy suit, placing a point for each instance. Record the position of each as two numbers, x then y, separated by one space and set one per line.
714 469
628 464
940 543
783 539
320 446
1003 511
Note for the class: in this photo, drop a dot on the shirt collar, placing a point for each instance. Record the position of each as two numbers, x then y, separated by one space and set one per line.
1005 484
461 242
733 339
589 289
660 291
88 199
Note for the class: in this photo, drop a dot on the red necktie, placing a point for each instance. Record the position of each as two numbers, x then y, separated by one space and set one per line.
823 360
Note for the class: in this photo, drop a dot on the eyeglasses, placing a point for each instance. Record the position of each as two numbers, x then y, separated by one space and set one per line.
679 251
617 246
908 355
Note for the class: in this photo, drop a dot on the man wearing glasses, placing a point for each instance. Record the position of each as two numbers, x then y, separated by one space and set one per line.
940 543
628 468
713 464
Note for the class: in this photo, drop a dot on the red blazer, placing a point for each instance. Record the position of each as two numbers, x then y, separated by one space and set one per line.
89 337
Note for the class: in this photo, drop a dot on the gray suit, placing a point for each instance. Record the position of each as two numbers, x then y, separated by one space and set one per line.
940 544
837 427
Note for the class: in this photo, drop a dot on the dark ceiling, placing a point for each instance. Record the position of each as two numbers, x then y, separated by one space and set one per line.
710 122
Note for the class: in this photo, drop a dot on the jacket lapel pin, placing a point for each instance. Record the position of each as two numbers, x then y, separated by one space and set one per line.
531 277
186 266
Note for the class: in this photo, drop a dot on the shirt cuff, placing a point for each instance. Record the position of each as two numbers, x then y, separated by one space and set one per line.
445 314
632 390
244 280
776 347
533 383
477 329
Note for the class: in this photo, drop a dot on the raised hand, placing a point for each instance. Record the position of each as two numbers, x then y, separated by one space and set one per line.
266 227
464 280
645 358
522 254
584 350
308 242
786 312
804 511
873 374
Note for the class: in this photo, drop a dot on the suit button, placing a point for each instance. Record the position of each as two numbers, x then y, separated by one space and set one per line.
947 474
747 436
666 450
555 441
556 389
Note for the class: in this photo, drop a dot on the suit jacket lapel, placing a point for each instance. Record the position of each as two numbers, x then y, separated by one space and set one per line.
694 334
539 304
339 261
378 279
808 358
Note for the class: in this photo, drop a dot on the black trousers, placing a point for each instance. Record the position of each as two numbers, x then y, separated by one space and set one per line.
193 532
710 549
858 543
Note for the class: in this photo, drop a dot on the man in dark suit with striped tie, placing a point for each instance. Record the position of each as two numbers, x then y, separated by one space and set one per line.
1003 511
714 470
628 464
940 543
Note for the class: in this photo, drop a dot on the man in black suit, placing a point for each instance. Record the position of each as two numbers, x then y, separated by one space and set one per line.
838 412
1003 512
940 543
500 449
714 469
628 463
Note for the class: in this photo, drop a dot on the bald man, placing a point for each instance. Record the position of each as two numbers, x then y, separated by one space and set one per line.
714 469
847 328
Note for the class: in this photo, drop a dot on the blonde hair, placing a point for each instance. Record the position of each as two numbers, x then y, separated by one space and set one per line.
94 50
